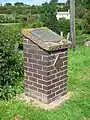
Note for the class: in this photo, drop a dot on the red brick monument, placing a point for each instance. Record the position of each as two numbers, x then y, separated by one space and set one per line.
45 64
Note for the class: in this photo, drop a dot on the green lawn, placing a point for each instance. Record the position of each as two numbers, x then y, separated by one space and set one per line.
76 108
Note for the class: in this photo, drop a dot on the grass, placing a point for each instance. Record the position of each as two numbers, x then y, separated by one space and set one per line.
76 108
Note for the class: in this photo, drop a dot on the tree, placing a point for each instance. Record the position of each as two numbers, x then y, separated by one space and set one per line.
48 17
77 2
19 4
87 4
8 4
64 26
86 22
68 2
53 1
80 11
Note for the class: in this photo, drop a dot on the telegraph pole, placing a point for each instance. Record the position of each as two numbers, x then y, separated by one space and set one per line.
72 22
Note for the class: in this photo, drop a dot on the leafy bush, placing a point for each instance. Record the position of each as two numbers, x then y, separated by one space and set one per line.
48 17
11 62
78 24
64 26
86 22
7 18
80 12
37 24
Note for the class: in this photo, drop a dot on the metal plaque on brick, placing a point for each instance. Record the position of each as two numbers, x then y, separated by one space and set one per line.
46 35
58 63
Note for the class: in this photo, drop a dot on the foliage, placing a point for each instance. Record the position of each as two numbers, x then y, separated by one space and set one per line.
37 24
19 4
81 37
86 22
8 4
53 1
64 26
11 62
78 25
83 3
7 18
49 17
45 13
80 12
68 2
86 3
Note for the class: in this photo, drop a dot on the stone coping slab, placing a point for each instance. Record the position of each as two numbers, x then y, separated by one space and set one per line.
46 43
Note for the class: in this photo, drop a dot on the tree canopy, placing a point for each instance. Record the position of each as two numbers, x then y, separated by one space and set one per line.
8 4
19 4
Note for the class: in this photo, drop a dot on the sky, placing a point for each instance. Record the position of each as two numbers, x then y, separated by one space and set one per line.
31 2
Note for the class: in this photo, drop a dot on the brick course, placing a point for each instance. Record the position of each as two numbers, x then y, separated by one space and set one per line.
42 81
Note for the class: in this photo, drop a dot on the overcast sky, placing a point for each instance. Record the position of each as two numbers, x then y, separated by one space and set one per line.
28 1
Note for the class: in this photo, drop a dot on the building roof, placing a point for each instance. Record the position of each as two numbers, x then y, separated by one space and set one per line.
64 12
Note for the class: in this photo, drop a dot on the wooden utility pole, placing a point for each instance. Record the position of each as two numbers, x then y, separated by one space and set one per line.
72 22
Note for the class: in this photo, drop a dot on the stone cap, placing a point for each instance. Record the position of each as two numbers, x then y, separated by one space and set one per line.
46 38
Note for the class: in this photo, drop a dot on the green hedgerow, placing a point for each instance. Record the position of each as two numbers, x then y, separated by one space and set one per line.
11 62
86 22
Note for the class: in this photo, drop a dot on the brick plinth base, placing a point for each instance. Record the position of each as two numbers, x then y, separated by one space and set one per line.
42 81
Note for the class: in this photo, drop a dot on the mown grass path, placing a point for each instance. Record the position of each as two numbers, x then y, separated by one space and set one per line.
76 108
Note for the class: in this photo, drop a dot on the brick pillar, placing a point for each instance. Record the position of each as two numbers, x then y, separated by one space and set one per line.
42 80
